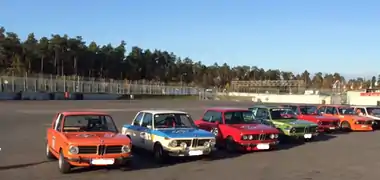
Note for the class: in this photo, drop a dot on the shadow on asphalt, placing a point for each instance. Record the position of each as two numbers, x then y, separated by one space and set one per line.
18 166
144 160
286 144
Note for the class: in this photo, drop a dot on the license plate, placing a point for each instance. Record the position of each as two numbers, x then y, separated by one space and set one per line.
364 126
102 161
262 146
307 136
195 153
332 127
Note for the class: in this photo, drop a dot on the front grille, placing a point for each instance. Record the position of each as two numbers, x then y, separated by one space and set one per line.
325 123
369 122
299 129
114 149
199 142
188 142
258 137
310 129
100 149
87 149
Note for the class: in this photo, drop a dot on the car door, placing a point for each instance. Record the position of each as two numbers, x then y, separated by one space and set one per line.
56 133
133 130
330 111
145 132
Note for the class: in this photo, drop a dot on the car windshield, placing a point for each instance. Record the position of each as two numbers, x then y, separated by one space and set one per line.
308 110
281 113
173 120
373 111
239 117
89 123
346 111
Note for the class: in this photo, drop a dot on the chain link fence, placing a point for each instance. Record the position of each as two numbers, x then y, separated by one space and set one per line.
82 85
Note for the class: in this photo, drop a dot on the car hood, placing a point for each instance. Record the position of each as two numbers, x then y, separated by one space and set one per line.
293 122
356 117
186 133
251 128
375 117
322 118
97 138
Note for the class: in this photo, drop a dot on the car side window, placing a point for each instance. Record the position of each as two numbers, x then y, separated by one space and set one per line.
294 109
329 110
362 110
207 116
335 110
58 123
262 113
212 116
321 110
254 111
138 118
147 120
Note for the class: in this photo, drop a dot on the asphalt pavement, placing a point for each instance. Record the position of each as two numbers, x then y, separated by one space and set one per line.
333 157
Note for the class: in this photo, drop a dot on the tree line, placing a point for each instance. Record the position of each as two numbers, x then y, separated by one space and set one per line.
71 56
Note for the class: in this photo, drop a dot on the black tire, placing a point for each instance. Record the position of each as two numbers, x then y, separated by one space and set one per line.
230 145
63 165
160 156
345 126
49 155
125 165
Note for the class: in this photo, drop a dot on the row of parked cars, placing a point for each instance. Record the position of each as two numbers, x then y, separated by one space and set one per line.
82 139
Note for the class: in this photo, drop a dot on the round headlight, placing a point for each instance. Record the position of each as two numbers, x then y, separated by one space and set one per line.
272 136
319 122
276 136
183 145
245 137
206 144
250 137
212 142
125 149
73 150
293 130
173 143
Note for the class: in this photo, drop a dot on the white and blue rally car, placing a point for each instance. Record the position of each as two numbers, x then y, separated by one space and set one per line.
168 133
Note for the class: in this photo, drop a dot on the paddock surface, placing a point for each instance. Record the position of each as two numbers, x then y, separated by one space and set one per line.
336 157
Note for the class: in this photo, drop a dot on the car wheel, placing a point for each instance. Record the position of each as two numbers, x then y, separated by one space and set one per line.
160 155
345 126
63 165
125 165
230 144
49 155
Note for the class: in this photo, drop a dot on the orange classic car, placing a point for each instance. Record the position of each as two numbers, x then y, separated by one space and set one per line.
81 139
349 120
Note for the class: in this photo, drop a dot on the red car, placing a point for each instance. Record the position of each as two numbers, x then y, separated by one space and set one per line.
310 113
236 129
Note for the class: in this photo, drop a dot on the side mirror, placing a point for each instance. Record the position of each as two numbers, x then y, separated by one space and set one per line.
149 126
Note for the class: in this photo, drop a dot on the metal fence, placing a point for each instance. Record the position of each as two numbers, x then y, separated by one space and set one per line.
78 84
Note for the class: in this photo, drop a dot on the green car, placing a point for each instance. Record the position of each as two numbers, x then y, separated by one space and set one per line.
284 119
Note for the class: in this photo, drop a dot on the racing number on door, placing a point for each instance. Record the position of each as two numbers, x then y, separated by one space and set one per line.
53 142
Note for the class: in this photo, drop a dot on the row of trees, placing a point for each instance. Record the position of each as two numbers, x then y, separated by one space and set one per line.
63 55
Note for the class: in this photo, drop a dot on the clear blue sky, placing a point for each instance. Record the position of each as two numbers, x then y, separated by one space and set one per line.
317 35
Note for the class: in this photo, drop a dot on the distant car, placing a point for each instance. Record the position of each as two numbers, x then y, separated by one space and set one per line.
310 113
372 112
168 133
349 120
236 129
80 139
289 126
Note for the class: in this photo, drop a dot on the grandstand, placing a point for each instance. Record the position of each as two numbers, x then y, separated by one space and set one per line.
269 86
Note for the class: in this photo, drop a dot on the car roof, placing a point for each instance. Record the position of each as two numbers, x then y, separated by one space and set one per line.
163 111
335 105
224 109
73 113
370 106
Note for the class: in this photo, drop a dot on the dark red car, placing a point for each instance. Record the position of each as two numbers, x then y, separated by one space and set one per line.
236 129
310 113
